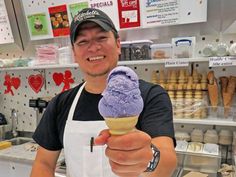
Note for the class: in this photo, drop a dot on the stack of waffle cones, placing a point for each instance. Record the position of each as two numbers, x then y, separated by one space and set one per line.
228 86
212 90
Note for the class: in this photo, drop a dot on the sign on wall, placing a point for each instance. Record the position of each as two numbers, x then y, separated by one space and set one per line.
5 27
49 19
172 12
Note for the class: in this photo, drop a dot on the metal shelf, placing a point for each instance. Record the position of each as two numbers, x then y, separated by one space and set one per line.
208 121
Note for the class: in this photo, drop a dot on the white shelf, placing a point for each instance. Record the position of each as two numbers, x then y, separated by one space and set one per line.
208 121
135 62
160 61
41 67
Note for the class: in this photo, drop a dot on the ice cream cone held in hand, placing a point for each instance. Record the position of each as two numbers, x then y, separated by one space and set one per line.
121 103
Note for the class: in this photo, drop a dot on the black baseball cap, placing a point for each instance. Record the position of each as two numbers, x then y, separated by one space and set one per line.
91 15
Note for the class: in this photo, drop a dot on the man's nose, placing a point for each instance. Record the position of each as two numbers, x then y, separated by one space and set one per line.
94 46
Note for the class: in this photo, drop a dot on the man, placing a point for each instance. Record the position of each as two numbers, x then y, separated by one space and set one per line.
71 120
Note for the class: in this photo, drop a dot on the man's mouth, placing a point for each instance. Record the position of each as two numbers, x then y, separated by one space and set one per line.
96 58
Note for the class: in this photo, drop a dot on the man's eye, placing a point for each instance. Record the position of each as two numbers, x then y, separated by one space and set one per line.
80 43
102 38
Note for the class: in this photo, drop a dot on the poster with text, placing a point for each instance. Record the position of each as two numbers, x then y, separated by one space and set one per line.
129 13
172 12
38 24
109 7
59 20
75 8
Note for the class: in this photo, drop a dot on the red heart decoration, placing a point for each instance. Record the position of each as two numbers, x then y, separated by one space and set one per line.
58 78
15 81
36 82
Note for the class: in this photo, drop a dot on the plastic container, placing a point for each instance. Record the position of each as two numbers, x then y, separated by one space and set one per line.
161 51
208 50
202 162
140 49
183 47
65 55
222 50
125 51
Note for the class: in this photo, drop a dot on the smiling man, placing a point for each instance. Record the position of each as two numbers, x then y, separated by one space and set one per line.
72 117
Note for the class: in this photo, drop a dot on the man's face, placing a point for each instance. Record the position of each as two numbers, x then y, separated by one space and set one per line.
96 51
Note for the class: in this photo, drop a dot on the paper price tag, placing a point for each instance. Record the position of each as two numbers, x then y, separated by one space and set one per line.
176 63
222 61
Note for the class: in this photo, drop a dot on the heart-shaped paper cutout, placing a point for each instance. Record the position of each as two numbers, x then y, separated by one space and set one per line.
15 81
58 78
36 82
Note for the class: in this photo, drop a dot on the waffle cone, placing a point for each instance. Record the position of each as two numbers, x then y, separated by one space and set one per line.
213 95
121 125
224 83
227 101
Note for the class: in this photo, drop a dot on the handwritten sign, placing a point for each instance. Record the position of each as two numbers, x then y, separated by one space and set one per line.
176 63
222 61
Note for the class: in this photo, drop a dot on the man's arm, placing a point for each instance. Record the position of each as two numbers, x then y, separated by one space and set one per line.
168 159
45 163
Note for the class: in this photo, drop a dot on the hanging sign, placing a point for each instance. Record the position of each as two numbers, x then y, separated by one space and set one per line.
129 13
36 82
65 78
11 82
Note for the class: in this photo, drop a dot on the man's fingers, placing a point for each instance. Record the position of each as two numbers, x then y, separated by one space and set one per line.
101 139
131 141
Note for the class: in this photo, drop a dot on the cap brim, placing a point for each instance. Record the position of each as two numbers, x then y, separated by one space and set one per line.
102 24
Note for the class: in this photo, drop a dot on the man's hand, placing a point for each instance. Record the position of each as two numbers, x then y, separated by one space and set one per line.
128 154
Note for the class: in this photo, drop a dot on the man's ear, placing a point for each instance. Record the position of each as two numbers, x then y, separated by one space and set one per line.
118 45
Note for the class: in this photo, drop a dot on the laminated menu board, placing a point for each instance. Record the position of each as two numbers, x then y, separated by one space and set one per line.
172 12
5 32
59 20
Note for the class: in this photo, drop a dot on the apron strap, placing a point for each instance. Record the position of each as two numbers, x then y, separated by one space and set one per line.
72 108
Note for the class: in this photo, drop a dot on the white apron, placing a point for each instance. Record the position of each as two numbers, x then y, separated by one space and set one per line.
80 161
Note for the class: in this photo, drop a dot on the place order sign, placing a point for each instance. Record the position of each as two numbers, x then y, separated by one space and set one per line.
222 61
176 63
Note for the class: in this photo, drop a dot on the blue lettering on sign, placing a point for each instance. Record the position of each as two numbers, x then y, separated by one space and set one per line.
149 2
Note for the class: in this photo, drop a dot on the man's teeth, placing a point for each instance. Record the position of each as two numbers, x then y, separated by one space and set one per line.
96 58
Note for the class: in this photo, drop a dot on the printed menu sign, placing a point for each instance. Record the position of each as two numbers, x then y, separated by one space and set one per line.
222 61
5 33
59 20
129 13
110 7
160 12
173 12
38 24
75 8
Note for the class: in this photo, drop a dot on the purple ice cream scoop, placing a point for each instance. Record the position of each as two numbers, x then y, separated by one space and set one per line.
122 97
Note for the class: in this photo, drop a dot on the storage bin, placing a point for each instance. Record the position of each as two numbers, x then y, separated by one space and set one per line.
125 51
183 172
202 162
161 51
183 47
140 49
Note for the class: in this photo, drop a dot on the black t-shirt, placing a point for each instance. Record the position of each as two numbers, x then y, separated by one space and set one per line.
156 118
